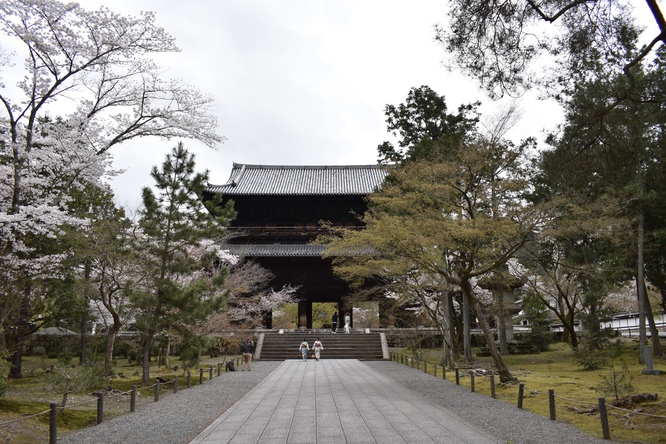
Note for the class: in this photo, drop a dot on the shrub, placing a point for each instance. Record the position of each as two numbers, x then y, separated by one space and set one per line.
65 379
593 353
617 382
123 349
4 371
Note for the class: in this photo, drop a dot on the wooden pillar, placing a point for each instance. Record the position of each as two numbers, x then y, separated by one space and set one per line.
305 314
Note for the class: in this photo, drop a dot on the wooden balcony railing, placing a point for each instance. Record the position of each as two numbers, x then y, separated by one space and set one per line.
310 231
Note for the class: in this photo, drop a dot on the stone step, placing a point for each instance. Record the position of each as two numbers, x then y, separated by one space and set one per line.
357 345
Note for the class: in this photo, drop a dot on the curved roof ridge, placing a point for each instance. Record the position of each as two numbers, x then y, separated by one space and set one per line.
311 167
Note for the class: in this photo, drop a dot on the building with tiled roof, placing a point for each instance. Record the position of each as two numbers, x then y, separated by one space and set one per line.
279 212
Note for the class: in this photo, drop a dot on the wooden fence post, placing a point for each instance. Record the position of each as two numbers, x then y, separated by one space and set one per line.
210 373
521 391
457 377
444 372
471 376
200 376
434 370
53 423
492 386
189 379
551 403
219 369
157 390
133 399
425 366
603 415
100 408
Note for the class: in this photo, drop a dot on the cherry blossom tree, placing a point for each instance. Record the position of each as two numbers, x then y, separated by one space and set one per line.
89 84
251 297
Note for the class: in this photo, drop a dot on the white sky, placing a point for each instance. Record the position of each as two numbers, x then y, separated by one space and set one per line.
300 82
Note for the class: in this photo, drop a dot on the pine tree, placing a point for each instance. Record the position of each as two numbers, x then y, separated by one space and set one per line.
180 252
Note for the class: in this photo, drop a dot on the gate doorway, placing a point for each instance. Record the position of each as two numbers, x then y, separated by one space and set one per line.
291 316
322 313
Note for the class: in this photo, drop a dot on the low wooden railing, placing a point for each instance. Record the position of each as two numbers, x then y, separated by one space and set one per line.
54 409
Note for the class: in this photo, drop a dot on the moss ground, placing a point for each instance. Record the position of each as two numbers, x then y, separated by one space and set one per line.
576 391
20 407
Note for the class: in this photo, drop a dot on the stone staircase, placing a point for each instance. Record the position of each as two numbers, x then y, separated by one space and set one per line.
276 346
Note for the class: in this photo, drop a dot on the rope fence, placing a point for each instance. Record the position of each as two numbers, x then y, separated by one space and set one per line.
54 410
600 406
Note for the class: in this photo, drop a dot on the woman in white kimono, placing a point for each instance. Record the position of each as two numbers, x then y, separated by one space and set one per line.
317 347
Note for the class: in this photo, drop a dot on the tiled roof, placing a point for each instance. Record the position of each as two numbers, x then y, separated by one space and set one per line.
275 250
301 180
285 250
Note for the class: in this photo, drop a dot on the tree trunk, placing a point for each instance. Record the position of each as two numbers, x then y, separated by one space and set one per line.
654 332
640 283
84 337
452 327
114 328
501 321
502 369
145 364
167 352
467 334
16 370
447 337
84 318
110 342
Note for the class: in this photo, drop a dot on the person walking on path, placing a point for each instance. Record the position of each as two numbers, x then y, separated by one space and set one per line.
248 350
304 348
334 321
347 321
317 347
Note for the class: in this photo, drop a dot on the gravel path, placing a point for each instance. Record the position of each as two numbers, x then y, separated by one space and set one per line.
179 418
497 417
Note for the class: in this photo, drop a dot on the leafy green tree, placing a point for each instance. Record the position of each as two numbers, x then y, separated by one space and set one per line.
655 183
609 147
426 130
574 255
96 205
536 313
447 222
111 268
180 255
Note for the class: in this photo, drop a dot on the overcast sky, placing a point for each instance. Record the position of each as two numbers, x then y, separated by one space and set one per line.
300 82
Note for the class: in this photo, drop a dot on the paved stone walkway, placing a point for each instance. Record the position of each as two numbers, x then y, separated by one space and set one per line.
336 401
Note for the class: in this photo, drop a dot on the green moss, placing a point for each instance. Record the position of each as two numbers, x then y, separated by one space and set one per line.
574 388
23 407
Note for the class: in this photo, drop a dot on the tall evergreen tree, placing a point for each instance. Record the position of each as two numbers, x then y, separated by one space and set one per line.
610 146
423 125
187 281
